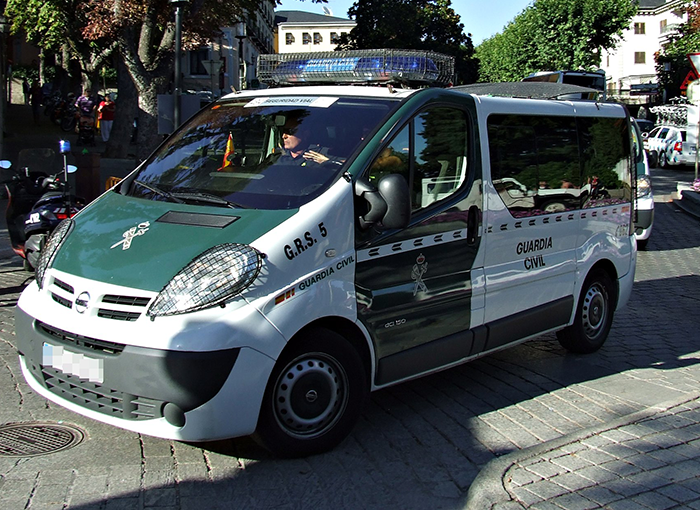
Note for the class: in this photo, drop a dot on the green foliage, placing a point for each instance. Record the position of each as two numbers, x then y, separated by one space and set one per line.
31 73
46 23
554 34
412 24
675 52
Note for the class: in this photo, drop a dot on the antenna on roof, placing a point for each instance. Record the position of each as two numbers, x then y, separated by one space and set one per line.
327 11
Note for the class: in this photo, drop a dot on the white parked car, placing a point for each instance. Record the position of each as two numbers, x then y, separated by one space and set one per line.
669 145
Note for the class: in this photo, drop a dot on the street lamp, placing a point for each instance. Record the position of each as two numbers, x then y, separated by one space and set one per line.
240 35
178 4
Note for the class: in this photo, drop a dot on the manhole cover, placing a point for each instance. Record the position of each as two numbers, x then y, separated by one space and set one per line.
32 439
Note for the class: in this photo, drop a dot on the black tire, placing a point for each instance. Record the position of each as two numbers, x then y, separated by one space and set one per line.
642 244
68 124
594 315
653 158
663 160
314 396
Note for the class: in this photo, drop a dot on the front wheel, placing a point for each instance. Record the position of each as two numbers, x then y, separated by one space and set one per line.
314 396
663 160
594 315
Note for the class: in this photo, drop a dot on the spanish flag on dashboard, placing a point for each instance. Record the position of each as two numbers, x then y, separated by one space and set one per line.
228 154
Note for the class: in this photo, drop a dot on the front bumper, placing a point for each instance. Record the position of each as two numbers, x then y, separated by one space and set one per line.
190 377
642 227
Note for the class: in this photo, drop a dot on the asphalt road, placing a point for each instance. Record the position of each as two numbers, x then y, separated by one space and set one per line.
417 445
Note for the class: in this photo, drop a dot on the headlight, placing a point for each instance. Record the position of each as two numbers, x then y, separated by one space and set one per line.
643 186
50 248
210 279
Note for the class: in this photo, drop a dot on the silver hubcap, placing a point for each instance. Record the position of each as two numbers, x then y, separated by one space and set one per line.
594 311
310 395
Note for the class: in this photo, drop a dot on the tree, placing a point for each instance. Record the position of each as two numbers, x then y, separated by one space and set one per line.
56 26
675 52
145 33
552 35
412 24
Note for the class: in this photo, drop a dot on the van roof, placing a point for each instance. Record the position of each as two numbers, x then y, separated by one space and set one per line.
327 90
529 90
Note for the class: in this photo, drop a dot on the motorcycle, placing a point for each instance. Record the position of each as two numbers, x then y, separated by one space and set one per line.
70 117
37 202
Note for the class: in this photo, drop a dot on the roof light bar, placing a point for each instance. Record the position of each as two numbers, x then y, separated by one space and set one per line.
410 67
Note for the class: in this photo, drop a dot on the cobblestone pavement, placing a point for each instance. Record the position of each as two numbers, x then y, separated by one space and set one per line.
422 444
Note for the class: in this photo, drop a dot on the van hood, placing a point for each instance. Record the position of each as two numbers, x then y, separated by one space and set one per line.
143 243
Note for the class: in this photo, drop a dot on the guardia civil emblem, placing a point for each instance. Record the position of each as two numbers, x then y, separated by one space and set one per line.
129 235
419 269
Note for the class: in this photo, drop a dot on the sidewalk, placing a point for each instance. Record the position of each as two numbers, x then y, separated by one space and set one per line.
646 460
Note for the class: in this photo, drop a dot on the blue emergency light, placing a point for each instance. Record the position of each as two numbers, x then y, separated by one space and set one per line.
410 67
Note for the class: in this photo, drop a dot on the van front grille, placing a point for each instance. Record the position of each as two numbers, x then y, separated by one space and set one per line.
62 301
100 398
118 315
63 285
102 346
125 300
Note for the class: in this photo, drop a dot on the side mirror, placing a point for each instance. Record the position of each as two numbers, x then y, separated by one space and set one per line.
389 204
394 190
645 134
5 164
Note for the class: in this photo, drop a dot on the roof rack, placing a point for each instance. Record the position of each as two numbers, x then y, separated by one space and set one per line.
532 90
381 66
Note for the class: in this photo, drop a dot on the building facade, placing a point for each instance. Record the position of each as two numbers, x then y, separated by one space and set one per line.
298 31
630 68
228 63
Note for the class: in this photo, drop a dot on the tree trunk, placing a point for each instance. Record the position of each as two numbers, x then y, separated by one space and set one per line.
127 107
148 137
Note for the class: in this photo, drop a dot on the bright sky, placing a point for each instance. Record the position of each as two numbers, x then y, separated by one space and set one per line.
481 19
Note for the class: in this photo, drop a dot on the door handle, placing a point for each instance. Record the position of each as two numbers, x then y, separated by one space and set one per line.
473 224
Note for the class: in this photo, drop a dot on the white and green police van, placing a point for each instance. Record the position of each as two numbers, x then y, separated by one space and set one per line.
227 287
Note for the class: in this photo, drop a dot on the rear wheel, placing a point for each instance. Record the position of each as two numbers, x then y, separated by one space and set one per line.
594 315
314 396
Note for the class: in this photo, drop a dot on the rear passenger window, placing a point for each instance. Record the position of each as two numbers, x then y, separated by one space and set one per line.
546 164
535 163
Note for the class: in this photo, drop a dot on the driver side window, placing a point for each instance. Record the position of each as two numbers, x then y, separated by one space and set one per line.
430 152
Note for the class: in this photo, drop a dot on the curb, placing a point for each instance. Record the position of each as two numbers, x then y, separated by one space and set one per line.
487 491
689 203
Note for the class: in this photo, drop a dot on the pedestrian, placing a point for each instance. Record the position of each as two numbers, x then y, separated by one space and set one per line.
36 98
25 90
86 104
105 115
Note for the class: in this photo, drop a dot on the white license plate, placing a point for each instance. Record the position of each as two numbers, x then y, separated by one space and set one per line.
73 363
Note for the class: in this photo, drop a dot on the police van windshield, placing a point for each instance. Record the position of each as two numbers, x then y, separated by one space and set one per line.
262 153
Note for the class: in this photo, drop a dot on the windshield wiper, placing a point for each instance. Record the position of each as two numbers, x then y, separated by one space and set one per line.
159 191
206 198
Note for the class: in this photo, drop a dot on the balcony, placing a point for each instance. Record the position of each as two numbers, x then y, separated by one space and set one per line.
668 32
